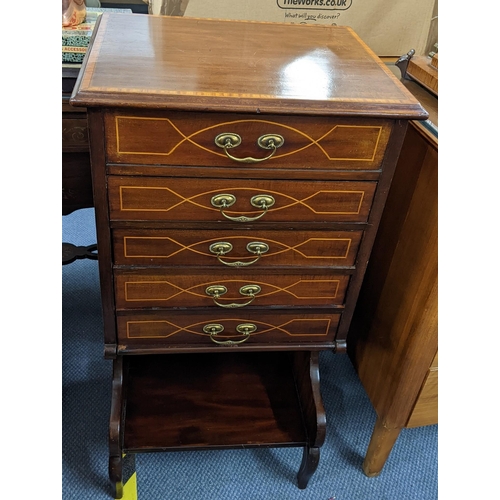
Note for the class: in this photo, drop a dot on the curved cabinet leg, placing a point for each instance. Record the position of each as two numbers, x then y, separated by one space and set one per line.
115 438
380 447
116 476
306 369
310 461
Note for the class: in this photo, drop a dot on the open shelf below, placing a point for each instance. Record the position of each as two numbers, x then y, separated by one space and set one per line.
216 400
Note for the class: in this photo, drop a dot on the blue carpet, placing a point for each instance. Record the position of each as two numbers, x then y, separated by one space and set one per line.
411 472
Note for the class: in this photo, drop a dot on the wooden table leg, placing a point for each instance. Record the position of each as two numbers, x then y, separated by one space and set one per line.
116 476
310 460
115 437
380 447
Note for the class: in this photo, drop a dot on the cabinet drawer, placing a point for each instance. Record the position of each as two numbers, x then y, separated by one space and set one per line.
227 290
426 407
152 198
229 249
244 327
177 138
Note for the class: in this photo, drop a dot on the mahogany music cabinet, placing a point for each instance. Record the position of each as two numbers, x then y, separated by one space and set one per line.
239 173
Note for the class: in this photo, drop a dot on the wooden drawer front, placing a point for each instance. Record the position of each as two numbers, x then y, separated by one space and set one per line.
75 135
285 248
228 290
143 198
283 327
426 408
189 139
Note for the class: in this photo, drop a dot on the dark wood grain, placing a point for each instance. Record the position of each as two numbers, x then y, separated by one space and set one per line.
115 434
306 370
307 70
202 375
104 251
274 328
153 288
217 400
286 248
243 171
310 143
309 464
390 161
157 198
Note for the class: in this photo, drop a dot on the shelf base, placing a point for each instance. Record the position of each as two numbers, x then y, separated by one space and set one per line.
216 401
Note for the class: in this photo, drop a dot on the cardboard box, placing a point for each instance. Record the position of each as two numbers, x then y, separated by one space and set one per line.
389 28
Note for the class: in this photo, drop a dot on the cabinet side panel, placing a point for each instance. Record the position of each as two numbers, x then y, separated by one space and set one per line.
389 164
104 250
394 345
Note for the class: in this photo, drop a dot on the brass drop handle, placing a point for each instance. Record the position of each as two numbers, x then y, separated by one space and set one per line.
244 328
221 248
215 291
261 201
231 140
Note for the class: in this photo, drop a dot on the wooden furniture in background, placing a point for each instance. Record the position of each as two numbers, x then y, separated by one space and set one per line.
240 170
76 176
434 61
75 164
421 69
393 340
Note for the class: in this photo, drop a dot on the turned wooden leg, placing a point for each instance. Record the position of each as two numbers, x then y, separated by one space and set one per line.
116 476
310 460
380 447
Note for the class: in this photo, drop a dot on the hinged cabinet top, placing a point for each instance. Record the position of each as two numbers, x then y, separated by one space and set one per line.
214 65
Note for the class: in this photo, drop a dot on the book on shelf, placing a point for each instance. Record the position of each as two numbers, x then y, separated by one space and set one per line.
75 39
